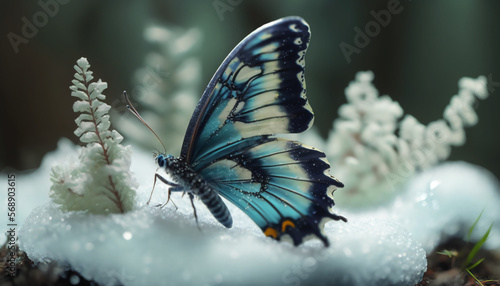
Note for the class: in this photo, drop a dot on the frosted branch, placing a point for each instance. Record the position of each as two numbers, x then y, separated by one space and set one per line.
102 182
374 151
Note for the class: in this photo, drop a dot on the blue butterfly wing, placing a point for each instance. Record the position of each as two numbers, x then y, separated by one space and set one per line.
257 92
284 186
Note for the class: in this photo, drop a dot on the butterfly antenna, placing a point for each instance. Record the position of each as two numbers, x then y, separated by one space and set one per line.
134 111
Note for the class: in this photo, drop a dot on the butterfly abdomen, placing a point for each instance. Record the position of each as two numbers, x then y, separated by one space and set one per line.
194 183
215 205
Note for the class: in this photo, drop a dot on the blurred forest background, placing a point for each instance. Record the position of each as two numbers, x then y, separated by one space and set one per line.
417 58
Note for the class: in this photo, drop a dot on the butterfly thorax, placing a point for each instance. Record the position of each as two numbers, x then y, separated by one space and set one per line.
181 173
193 183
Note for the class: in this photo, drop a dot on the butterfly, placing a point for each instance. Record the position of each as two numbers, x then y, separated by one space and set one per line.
230 148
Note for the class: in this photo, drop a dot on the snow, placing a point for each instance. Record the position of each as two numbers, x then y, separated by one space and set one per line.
32 187
446 201
155 246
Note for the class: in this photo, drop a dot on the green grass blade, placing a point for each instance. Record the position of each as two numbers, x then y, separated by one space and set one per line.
473 226
470 273
475 264
448 253
477 246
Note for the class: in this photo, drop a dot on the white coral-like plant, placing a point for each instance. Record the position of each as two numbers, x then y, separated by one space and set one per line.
102 182
374 152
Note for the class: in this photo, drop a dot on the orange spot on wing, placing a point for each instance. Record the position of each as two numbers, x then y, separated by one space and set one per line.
271 232
285 224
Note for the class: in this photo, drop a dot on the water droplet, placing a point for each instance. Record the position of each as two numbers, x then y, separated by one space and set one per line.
433 184
75 246
435 204
234 254
147 260
218 278
127 235
89 246
421 197
347 252
310 262
74 280
186 275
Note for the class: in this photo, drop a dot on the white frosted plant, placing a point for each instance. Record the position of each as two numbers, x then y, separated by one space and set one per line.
166 88
374 152
101 182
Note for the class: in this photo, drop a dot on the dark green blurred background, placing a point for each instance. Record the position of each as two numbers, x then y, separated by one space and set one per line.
417 59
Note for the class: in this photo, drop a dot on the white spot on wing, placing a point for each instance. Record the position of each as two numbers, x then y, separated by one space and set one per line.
302 79
270 67
265 36
267 48
229 70
265 98
239 107
269 127
267 112
226 111
301 60
294 28
245 73
243 173
322 223
269 82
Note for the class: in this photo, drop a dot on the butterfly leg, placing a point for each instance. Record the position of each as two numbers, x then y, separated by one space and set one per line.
168 199
191 197
174 188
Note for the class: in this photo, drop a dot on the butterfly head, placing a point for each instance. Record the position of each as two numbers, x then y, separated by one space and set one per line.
164 160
